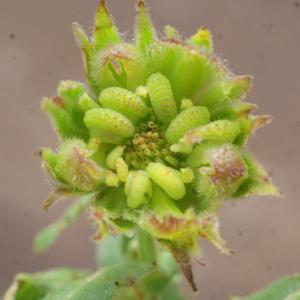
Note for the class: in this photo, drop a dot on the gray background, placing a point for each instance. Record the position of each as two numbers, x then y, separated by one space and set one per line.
258 37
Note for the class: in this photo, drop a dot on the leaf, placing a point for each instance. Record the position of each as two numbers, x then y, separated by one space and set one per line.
36 286
167 263
155 282
294 296
160 282
171 292
287 288
49 235
147 247
110 251
103 284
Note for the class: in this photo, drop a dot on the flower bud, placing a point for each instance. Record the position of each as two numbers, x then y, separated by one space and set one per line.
166 122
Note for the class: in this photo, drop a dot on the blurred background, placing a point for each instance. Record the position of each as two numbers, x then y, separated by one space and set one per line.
258 37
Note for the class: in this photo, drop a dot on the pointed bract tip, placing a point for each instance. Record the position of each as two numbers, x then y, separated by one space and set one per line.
50 200
203 32
261 121
141 3
102 5
75 26
184 261
248 79
77 29
57 194
39 152
80 36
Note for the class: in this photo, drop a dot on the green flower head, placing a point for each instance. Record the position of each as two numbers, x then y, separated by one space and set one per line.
157 135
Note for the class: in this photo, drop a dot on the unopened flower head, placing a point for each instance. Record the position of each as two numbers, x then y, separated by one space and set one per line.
158 135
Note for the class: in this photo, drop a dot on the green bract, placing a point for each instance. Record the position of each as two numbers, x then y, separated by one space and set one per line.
157 137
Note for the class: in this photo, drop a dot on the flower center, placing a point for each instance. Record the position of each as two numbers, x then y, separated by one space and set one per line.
148 145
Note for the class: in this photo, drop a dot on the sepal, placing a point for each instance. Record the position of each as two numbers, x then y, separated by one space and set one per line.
259 182
209 230
248 125
105 31
238 87
145 33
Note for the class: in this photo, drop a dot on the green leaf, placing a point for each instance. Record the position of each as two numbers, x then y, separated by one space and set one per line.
147 247
36 286
114 251
171 292
294 296
155 282
111 251
167 263
287 288
49 235
112 200
104 284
